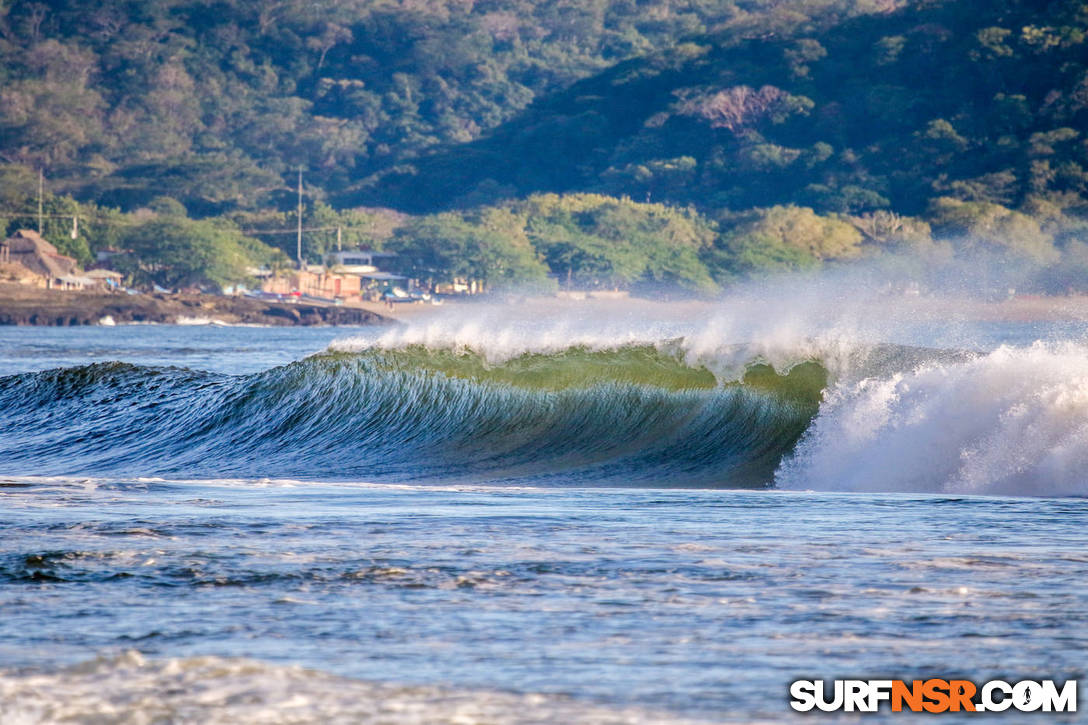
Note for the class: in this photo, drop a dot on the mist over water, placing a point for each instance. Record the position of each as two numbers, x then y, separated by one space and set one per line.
946 391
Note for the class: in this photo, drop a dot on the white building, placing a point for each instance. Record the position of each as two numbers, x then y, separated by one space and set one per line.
360 261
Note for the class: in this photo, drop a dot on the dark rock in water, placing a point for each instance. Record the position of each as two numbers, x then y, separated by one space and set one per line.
23 305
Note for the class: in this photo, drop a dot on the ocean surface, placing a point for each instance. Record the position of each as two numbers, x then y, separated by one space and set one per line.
510 515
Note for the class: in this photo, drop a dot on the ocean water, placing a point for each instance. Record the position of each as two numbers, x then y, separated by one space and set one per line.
514 515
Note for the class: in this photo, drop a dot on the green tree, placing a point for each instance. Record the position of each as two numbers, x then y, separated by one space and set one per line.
486 248
987 226
801 229
594 240
173 251
739 256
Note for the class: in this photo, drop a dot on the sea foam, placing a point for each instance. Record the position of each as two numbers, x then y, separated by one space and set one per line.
1012 422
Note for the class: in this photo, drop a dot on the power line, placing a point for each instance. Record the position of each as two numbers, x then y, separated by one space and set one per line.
114 221
85 217
46 216
294 231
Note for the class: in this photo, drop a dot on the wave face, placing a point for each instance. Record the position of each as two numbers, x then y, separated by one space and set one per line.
636 415
431 407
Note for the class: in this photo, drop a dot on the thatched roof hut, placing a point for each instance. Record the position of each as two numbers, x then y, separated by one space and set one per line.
26 247
15 272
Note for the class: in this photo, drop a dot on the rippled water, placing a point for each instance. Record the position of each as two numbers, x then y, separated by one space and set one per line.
702 604
265 600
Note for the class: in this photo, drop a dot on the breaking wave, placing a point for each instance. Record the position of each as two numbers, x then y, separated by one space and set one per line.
666 413
1010 422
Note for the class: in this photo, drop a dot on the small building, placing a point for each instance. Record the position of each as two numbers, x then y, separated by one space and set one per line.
315 281
104 278
351 273
27 248
361 260
74 281
17 273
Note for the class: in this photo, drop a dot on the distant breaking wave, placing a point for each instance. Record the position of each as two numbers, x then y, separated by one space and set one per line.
1013 421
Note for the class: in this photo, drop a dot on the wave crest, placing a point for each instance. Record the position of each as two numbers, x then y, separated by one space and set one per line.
637 415
1012 421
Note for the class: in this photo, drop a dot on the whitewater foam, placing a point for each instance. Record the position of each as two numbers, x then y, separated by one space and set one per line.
725 336
129 689
1010 422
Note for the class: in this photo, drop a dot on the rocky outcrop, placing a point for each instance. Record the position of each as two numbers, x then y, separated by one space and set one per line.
25 305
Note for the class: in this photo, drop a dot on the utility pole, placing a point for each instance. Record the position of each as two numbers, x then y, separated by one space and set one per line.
41 193
339 244
299 251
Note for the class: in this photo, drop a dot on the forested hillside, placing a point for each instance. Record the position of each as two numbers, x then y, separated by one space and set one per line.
599 143
215 102
981 101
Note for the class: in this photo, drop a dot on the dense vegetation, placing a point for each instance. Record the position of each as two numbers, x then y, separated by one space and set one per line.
615 143
587 241
216 102
978 101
